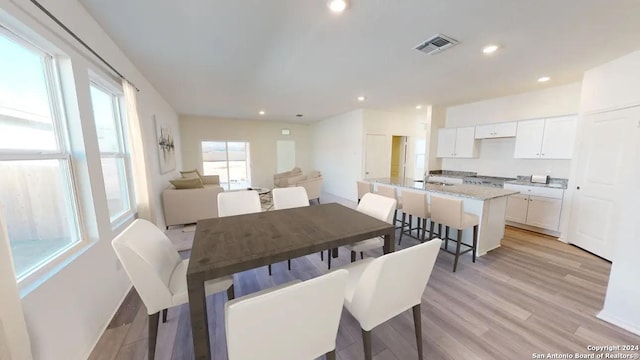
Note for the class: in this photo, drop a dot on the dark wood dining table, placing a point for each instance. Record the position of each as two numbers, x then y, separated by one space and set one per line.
229 245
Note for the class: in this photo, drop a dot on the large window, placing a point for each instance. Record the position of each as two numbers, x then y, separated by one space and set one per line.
229 160
36 184
108 117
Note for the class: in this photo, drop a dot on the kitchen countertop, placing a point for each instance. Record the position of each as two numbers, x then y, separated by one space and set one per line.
462 190
555 183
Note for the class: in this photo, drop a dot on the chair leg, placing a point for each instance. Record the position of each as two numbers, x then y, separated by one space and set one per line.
431 226
164 315
231 293
402 228
440 230
269 266
424 228
417 320
446 237
322 255
289 264
475 242
366 343
329 259
361 255
459 240
353 256
331 355
153 334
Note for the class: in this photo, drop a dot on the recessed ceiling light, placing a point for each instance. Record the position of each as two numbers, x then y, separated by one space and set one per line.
489 49
361 98
337 6
418 107
261 112
544 79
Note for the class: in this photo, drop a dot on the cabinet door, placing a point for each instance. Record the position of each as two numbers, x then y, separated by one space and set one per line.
466 142
507 129
485 131
544 212
517 208
529 139
446 143
558 138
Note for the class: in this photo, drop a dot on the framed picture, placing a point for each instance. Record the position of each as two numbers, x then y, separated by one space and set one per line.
166 147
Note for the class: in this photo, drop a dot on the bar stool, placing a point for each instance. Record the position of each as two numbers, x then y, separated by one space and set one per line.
363 188
414 203
450 213
391 192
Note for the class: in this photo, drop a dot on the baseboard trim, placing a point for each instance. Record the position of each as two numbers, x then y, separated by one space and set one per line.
605 316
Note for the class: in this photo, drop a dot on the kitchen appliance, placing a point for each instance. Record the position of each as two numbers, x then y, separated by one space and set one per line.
491 181
540 179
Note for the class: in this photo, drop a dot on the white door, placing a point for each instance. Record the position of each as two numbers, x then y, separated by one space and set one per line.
376 159
559 135
446 143
604 163
517 208
544 212
529 139
286 155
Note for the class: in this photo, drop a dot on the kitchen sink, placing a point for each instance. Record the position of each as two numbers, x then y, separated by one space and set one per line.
439 183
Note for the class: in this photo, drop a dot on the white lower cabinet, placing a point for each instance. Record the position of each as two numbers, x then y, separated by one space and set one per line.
535 206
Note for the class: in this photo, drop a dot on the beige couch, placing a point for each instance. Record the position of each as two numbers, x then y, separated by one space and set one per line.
312 182
282 179
186 206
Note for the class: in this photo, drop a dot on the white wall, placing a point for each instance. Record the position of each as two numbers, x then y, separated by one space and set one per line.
390 124
338 144
262 136
67 313
611 86
496 155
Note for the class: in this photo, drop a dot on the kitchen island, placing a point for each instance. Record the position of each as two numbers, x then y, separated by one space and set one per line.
488 203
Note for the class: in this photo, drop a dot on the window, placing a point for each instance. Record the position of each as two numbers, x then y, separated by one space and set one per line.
229 160
36 184
113 151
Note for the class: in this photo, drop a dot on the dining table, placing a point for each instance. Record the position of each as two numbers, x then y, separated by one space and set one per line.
229 245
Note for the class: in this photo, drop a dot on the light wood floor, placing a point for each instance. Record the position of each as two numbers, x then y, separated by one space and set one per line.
534 294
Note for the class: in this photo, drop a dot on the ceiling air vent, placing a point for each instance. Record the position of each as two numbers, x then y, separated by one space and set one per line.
436 44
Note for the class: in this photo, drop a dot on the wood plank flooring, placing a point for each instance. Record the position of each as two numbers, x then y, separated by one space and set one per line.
532 295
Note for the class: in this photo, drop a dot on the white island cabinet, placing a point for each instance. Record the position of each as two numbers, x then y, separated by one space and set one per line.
488 203
535 206
550 138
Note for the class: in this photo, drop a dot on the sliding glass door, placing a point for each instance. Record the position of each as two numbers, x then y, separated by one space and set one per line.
229 160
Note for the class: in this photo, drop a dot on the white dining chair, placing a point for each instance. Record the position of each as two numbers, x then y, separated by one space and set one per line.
158 273
363 188
287 198
232 203
379 207
291 322
381 288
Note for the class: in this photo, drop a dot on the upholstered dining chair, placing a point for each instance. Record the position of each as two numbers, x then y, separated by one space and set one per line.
363 188
381 288
390 192
231 203
287 198
379 207
298 321
414 203
158 273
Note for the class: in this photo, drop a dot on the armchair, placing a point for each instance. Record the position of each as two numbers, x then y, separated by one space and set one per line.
312 183
282 179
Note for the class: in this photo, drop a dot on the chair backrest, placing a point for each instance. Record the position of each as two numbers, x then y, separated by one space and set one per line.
299 321
377 206
393 283
149 258
415 203
291 197
232 203
446 211
386 190
363 188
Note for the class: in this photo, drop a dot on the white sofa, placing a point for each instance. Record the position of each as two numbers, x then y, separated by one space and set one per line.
282 179
186 206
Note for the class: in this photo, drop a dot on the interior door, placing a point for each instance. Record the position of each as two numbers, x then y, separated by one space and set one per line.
604 163
376 159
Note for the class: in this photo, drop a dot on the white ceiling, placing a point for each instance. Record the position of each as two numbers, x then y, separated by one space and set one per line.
234 58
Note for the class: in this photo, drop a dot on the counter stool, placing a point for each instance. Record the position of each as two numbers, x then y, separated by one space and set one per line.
391 192
450 213
414 203
363 188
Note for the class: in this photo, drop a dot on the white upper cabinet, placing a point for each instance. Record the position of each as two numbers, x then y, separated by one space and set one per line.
550 138
499 130
457 143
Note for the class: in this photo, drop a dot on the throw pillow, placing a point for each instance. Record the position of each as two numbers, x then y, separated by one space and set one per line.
191 174
210 179
194 183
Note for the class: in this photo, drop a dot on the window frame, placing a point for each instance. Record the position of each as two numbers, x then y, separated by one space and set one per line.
51 72
117 101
